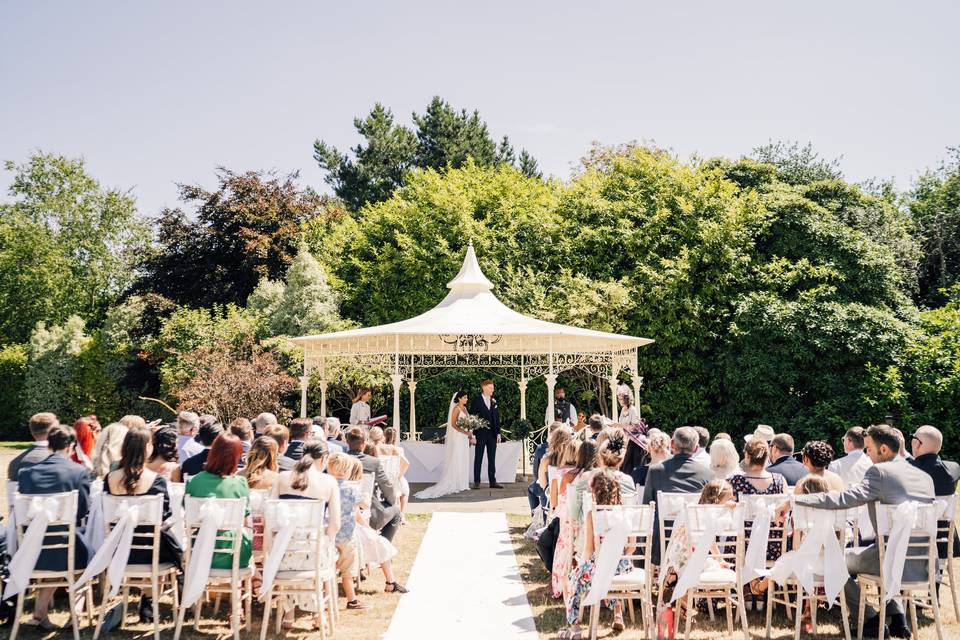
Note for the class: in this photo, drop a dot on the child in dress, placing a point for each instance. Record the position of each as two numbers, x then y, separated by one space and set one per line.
374 548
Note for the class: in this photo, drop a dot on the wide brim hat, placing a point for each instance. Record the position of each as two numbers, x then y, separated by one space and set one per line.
763 431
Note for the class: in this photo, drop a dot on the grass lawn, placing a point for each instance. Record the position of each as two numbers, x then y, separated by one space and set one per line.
369 624
550 615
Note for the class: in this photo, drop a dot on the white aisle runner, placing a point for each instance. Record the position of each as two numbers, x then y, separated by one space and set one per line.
464 584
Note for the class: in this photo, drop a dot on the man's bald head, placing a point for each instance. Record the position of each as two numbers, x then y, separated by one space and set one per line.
930 437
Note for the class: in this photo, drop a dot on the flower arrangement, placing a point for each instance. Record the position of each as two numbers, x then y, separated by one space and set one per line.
471 423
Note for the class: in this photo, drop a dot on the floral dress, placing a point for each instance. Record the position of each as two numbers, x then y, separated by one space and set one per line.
580 581
741 486
563 552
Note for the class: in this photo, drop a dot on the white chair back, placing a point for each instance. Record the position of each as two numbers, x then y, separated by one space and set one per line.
234 511
697 516
295 513
366 485
925 523
391 466
804 519
11 491
669 511
62 505
257 499
149 508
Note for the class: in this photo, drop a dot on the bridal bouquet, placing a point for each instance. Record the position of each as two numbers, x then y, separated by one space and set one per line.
472 423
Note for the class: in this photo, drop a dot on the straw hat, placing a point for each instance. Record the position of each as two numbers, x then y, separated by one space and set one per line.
763 431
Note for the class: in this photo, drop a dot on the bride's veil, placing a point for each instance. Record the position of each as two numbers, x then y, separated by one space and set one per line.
453 403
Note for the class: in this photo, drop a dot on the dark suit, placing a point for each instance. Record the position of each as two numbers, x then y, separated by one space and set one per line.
285 463
890 482
294 450
945 475
536 496
26 459
57 474
486 438
194 464
384 511
679 474
790 468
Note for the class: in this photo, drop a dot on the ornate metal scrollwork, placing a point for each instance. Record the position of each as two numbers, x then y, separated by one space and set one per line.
470 342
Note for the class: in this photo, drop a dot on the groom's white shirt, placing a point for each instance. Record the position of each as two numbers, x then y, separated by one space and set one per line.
486 400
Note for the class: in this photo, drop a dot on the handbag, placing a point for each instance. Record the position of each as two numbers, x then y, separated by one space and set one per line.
547 543
537 524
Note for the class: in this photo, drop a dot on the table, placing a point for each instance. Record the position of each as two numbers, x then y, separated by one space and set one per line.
426 461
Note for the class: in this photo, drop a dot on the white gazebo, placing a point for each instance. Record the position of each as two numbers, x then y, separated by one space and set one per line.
471 328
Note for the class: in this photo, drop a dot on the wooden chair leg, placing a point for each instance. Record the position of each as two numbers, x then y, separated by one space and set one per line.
813 611
594 620
881 610
155 584
799 619
18 614
935 605
249 607
743 612
861 610
687 614
845 616
953 586
771 592
125 594
103 607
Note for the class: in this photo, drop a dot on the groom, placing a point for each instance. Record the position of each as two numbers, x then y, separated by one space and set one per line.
487 438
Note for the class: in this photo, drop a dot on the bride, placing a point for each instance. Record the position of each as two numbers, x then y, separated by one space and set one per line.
456 454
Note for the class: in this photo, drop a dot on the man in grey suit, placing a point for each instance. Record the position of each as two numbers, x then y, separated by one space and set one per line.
679 474
40 424
891 480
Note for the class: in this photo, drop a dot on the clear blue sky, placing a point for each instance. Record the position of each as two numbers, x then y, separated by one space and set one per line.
153 93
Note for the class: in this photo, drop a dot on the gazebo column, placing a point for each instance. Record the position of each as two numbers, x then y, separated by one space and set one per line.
412 384
304 385
397 382
637 381
614 402
551 384
323 398
523 397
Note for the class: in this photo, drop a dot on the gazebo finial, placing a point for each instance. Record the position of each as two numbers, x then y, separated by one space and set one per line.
470 277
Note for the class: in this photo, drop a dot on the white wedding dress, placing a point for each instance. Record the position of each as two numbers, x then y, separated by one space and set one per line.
456 463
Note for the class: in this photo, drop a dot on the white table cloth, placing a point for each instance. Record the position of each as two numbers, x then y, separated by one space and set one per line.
426 461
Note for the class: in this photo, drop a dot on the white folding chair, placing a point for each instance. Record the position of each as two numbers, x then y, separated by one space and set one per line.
670 510
63 507
804 520
159 578
723 584
257 499
753 507
921 548
237 581
367 485
308 547
391 466
638 582
946 532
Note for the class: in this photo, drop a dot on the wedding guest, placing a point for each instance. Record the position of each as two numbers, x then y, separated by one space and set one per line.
188 423
57 473
756 480
658 450
611 447
40 425
557 440
163 460
319 429
853 466
340 466
332 429
581 422
386 441
563 409
723 435
536 496
262 421
134 478
817 456
811 484
243 429
384 509
86 438
903 453
106 450
596 426
208 433
703 441
261 470
375 549
281 436
637 455
563 551
782 460
678 474
219 479
605 489
299 430
628 412
926 443
724 459
360 411
890 480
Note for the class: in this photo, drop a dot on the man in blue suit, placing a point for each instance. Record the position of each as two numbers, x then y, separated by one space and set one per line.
58 474
782 460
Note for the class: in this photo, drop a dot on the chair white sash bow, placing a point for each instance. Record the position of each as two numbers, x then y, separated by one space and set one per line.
114 553
40 512
820 538
608 556
211 517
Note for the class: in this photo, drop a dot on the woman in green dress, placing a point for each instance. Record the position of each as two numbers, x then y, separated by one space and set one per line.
219 479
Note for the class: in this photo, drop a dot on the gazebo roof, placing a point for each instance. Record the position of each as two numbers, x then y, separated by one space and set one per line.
470 318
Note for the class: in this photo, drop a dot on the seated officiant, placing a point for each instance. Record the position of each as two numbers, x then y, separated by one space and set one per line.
563 409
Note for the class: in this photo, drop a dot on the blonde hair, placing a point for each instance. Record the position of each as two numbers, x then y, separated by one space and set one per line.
724 460
132 421
339 465
569 456
658 440
356 469
555 445
376 435
714 491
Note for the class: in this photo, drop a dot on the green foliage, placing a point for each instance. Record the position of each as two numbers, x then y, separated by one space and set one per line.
67 245
51 366
444 137
13 368
245 230
934 203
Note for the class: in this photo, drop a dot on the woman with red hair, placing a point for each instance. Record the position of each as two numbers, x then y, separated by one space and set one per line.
86 429
219 479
